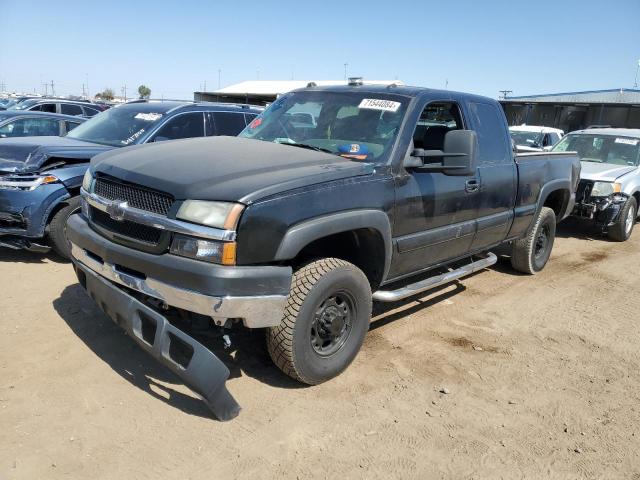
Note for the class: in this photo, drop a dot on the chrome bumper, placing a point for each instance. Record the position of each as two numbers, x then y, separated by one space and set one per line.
255 311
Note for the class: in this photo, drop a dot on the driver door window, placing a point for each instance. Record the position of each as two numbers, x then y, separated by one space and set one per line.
186 125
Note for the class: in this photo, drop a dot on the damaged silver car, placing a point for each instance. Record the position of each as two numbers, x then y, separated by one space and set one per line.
609 189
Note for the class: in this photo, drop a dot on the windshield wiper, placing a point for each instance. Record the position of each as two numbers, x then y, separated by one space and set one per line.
309 147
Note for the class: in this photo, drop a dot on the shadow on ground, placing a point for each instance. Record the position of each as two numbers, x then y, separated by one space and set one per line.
24 256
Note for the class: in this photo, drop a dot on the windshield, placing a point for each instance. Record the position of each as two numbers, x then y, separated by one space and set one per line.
355 125
23 105
527 139
117 127
602 148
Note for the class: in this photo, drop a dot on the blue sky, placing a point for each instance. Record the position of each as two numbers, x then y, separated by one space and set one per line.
174 46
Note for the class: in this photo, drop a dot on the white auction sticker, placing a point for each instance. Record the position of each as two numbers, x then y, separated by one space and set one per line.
149 117
378 104
627 141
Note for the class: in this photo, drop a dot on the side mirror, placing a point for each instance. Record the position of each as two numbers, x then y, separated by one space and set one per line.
459 155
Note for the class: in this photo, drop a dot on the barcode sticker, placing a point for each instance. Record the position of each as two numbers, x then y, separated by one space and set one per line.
378 104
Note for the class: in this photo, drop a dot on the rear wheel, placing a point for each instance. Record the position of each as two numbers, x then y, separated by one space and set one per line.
530 254
622 229
326 318
58 228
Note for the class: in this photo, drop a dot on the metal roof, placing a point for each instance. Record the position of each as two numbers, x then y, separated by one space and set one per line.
616 95
617 132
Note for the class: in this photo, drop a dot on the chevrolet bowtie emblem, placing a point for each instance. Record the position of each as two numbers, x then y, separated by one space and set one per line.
116 210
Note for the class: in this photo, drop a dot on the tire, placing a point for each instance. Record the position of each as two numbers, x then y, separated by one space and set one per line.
531 253
622 229
58 228
303 345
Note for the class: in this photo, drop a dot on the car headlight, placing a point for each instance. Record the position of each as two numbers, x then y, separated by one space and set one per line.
25 182
87 180
604 189
223 253
213 214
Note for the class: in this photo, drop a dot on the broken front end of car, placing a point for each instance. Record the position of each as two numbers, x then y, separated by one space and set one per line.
601 202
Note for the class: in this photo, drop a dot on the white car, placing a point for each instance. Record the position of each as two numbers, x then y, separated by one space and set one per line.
531 138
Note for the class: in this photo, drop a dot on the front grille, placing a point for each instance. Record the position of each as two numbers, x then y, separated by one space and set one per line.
136 197
583 193
133 230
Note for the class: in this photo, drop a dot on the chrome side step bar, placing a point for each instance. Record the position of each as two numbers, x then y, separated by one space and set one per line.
432 282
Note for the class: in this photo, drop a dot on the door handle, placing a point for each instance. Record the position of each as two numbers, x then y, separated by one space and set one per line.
472 185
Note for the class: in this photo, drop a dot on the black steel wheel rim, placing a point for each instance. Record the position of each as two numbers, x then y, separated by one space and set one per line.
332 323
542 241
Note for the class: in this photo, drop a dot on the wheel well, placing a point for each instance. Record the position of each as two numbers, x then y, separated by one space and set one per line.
74 192
363 247
557 201
636 195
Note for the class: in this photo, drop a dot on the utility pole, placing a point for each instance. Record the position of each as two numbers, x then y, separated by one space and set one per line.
46 92
635 84
87 81
53 91
84 95
345 70
205 86
2 86
124 93
505 93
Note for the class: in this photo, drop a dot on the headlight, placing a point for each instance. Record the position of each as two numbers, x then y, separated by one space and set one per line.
25 182
87 180
213 214
604 189
223 253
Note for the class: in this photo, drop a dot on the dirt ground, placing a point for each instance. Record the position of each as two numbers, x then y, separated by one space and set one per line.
543 375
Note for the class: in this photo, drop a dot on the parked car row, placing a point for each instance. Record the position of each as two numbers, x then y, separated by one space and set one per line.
332 198
40 177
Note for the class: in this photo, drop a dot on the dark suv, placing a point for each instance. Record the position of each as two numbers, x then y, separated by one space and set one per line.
40 177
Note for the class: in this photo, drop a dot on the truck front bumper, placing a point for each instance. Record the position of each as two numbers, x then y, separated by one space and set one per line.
196 365
257 295
109 271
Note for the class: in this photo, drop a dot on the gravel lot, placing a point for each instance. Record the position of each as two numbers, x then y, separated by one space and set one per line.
542 375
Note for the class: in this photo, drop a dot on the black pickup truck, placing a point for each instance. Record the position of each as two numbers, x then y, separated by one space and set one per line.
297 226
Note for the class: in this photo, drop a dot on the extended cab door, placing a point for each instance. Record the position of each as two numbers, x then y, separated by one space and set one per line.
435 213
497 174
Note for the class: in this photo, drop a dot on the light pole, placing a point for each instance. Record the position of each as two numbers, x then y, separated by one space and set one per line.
635 84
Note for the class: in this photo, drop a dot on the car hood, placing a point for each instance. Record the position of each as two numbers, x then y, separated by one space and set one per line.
604 172
29 154
224 168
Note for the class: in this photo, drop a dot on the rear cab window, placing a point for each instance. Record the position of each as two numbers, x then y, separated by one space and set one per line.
494 144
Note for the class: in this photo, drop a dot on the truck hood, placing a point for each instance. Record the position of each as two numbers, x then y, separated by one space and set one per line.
603 172
224 168
29 154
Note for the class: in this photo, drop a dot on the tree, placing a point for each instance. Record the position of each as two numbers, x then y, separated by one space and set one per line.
144 91
106 94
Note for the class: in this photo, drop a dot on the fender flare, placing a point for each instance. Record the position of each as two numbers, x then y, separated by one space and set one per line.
547 190
302 234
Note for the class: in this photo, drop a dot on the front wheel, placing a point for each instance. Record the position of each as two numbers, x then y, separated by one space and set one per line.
531 253
621 230
58 228
326 318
